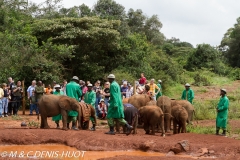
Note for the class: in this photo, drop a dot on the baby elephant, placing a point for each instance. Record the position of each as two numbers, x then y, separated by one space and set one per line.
180 117
151 115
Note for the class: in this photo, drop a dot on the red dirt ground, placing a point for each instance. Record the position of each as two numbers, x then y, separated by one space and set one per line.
224 148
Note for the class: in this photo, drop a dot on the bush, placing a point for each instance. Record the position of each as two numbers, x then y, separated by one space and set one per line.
201 80
235 74
123 75
205 109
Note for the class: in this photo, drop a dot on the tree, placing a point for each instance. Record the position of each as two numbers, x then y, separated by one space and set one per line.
95 43
109 9
230 45
205 56
136 20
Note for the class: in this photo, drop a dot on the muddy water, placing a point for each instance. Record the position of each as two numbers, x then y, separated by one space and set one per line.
63 152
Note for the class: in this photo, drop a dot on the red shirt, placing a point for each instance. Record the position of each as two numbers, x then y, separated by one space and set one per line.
142 80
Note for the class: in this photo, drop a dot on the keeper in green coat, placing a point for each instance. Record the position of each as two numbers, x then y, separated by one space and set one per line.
188 93
222 113
159 86
90 98
73 90
58 117
115 108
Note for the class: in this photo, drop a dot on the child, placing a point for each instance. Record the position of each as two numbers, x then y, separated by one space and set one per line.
102 108
33 103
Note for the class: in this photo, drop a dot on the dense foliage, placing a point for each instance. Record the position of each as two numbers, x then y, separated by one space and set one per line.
49 42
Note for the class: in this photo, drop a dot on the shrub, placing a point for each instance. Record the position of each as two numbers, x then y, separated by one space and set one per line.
201 80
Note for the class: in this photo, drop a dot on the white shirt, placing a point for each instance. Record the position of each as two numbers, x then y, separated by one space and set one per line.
129 92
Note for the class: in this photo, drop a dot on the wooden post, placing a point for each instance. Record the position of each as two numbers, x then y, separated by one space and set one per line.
134 87
23 100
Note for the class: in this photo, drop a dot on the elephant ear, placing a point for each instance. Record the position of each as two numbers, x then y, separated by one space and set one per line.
65 103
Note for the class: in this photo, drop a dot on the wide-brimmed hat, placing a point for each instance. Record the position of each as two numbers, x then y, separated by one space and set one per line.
75 78
102 100
57 86
224 90
111 76
89 85
159 81
187 85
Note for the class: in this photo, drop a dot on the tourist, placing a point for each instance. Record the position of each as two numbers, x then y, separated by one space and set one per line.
106 93
84 90
222 113
33 103
188 93
102 107
16 97
139 89
159 86
98 90
115 109
39 90
129 91
90 98
142 80
73 90
1 102
5 99
48 90
58 117
124 89
154 89
64 87
31 88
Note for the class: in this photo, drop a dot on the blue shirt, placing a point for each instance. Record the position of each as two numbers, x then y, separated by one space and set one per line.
124 89
30 89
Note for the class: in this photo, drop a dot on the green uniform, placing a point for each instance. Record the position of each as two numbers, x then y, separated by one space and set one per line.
222 115
160 92
57 117
73 90
188 95
115 108
39 91
90 98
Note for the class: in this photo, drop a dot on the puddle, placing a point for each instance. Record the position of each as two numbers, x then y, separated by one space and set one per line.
63 152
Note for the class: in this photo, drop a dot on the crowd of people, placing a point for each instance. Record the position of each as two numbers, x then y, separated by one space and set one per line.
106 100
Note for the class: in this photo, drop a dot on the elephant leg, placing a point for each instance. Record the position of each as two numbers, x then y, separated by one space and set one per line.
42 122
167 123
184 130
161 126
174 126
64 119
135 123
153 129
146 128
179 127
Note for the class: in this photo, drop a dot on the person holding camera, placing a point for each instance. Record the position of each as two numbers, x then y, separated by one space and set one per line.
16 98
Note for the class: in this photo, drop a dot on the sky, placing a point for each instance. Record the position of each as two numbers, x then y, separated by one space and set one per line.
193 21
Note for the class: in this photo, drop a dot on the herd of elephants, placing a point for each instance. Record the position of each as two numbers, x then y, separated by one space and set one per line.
153 114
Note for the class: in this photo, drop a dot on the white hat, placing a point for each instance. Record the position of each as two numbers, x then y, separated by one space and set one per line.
160 81
187 85
224 90
111 76
89 85
75 78
125 82
57 86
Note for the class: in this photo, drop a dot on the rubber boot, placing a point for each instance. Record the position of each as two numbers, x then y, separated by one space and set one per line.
129 129
68 126
224 133
111 132
74 126
93 127
58 125
217 132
